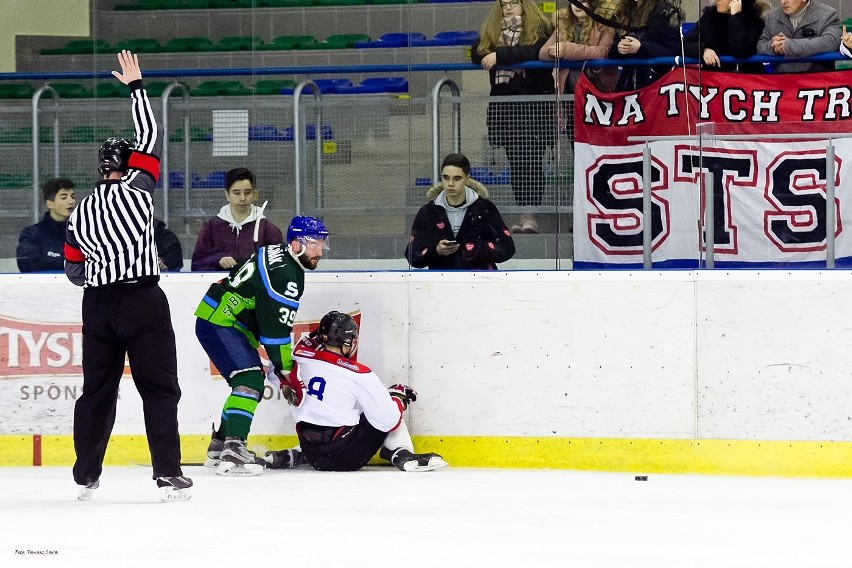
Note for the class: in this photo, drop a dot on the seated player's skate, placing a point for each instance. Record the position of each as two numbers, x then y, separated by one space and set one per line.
214 450
237 460
175 488
86 490
285 459
406 461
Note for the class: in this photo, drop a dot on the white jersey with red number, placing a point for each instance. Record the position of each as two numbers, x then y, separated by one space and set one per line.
340 389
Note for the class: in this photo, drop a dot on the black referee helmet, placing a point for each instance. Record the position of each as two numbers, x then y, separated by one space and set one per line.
113 155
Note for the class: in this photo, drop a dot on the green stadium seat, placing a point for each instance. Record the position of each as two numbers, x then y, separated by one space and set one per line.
15 181
231 4
88 134
185 4
284 3
338 41
339 2
237 43
142 5
79 134
140 45
273 86
220 88
71 90
189 44
156 88
289 42
196 134
80 47
111 90
16 91
25 135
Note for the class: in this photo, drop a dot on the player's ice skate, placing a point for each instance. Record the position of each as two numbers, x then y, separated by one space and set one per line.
214 451
174 488
285 459
86 491
237 460
407 461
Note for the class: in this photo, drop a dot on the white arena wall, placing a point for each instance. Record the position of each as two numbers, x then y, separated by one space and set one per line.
708 371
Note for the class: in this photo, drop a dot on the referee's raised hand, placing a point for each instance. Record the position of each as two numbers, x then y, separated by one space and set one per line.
130 70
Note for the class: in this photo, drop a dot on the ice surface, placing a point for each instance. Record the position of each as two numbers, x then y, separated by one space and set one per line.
453 517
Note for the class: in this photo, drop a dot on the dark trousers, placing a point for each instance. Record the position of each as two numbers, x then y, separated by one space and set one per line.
339 448
132 320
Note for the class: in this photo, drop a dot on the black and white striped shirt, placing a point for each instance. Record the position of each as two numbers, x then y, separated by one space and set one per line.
110 234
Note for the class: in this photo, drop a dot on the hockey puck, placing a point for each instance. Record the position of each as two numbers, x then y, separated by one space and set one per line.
641 478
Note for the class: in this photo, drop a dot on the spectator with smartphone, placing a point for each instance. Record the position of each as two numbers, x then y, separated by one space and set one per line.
459 229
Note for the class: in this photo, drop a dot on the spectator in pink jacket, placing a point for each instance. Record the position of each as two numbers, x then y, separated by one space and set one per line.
228 239
577 37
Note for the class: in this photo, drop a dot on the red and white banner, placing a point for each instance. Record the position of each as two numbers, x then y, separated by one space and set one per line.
769 194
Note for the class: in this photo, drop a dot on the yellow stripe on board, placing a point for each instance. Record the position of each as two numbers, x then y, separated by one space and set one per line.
729 457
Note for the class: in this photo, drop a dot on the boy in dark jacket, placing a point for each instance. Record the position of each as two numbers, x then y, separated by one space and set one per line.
40 246
459 228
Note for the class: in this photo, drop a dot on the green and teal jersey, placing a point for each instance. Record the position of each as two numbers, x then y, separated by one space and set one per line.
260 297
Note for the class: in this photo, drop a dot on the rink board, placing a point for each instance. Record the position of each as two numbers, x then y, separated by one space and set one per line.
682 371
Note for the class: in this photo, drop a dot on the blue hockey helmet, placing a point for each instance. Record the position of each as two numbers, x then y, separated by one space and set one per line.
303 227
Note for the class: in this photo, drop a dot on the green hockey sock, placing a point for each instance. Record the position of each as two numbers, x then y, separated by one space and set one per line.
238 413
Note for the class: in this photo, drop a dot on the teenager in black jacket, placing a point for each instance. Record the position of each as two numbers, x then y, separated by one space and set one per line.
459 229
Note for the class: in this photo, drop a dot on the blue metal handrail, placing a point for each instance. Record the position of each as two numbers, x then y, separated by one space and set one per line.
402 68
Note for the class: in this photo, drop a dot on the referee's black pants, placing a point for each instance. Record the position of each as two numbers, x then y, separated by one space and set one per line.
132 319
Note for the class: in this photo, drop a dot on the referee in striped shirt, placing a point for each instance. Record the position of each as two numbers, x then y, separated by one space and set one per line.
110 251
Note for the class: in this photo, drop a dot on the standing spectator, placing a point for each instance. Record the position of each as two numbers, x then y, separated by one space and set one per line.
577 38
110 251
227 239
652 31
345 415
729 27
40 246
800 28
255 304
459 228
513 32
169 251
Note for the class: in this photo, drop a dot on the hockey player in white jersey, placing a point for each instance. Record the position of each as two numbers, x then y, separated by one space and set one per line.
343 412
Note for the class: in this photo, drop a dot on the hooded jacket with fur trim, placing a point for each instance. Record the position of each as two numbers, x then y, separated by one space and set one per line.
484 240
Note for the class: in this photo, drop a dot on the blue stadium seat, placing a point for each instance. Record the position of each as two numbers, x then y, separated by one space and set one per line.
686 26
448 38
326 86
310 132
482 174
214 180
265 133
393 39
374 85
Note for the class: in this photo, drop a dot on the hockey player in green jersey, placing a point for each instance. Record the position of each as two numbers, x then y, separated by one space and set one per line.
255 304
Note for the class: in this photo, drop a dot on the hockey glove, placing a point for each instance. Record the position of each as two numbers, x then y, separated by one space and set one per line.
403 393
292 388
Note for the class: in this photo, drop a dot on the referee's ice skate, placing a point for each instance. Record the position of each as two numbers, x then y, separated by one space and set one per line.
86 491
175 488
